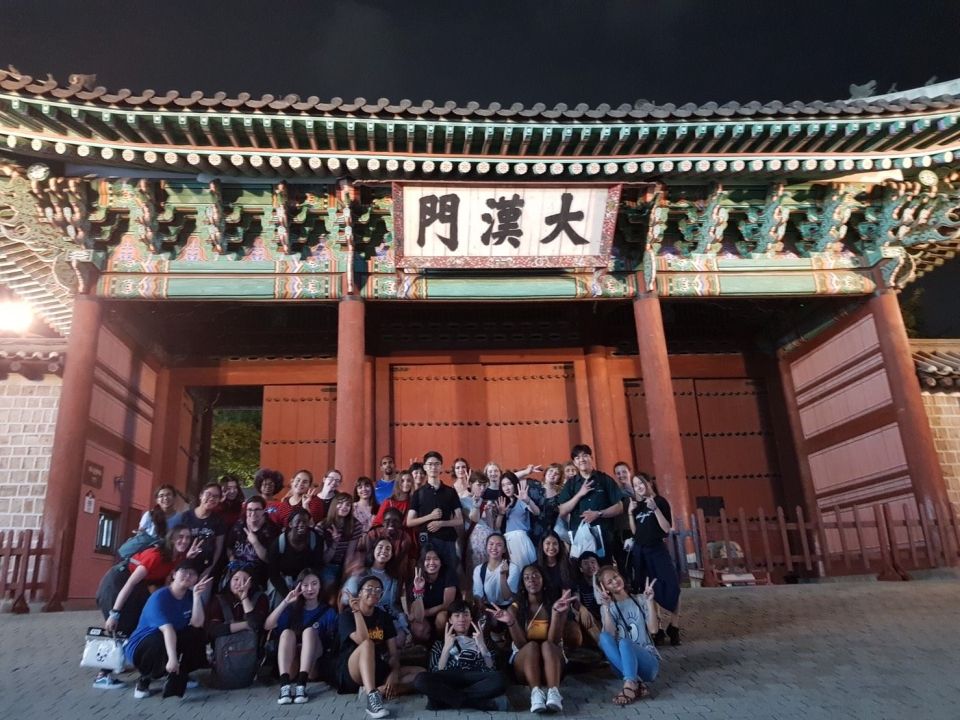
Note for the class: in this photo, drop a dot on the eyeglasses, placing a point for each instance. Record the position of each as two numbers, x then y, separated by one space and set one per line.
373 591
254 510
432 463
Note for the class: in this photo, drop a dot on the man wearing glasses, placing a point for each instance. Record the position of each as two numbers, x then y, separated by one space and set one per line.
388 475
249 539
435 512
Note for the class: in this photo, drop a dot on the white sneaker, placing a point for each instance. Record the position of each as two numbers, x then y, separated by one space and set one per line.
108 682
538 700
554 700
299 694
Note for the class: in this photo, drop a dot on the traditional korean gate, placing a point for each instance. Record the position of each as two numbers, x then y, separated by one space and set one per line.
298 428
727 439
514 413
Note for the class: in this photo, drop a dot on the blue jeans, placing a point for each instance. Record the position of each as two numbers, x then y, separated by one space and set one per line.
633 662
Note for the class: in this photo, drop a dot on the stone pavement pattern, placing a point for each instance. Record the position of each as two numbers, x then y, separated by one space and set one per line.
837 650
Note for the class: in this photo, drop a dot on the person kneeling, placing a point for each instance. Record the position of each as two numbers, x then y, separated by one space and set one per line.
625 639
169 638
300 617
369 658
462 673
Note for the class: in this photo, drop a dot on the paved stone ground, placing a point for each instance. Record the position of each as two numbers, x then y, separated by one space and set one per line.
838 650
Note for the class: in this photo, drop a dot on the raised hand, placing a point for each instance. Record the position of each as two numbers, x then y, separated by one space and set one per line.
648 589
202 585
311 491
504 567
602 596
500 614
585 488
502 505
478 637
354 601
449 635
651 503
523 490
196 547
419 582
294 594
562 604
245 589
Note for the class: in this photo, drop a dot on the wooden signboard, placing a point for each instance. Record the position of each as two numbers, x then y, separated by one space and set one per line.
502 226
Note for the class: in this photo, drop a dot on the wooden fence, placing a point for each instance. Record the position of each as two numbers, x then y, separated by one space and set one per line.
887 539
24 568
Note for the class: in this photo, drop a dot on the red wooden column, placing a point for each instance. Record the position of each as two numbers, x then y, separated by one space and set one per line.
667 450
922 461
601 409
62 504
351 426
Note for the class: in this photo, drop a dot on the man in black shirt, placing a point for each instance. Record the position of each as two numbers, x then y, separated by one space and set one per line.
435 512
593 497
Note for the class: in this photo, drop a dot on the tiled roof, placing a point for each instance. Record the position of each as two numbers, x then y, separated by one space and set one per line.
81 89
32 357
937 363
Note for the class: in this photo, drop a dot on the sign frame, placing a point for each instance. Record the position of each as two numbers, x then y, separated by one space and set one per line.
466 262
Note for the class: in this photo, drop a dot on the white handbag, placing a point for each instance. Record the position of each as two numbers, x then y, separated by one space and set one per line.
584 540
103 651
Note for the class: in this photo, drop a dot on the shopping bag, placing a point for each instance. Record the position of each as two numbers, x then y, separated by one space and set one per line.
103 651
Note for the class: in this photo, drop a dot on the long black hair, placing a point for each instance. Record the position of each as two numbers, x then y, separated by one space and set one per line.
563 561
298 607
523 597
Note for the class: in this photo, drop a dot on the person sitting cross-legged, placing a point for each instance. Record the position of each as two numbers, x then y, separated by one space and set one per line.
462 671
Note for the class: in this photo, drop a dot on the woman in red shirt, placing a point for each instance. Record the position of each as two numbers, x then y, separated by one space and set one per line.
301 495
125 588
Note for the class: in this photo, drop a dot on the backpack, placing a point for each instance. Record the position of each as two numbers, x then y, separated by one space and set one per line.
282 542
138 543
236 656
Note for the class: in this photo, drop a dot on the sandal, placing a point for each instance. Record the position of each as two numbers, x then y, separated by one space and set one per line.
627 696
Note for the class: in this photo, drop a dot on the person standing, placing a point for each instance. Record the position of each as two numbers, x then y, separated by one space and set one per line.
435 512
592 497
388 476
650 522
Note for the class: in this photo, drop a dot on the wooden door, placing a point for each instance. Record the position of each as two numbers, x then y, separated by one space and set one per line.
513 413
726 435
298 428
738 450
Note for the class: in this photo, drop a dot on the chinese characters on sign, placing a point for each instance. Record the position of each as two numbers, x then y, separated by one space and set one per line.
474 226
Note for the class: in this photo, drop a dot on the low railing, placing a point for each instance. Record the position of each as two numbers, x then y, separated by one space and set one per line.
23 569
889 539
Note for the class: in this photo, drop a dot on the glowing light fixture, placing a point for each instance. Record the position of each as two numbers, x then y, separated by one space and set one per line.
16 316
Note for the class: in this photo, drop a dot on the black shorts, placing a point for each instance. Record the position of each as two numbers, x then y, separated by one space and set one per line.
346 684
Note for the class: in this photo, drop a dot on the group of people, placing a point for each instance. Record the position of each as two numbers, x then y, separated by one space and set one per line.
494 575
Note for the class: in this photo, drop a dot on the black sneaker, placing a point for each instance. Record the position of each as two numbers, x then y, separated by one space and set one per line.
659 637
375 708
673 632
175 685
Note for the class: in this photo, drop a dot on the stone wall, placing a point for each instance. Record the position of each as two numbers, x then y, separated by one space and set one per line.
943 411
28 417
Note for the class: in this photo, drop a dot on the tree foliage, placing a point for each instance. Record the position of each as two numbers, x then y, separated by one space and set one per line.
235 443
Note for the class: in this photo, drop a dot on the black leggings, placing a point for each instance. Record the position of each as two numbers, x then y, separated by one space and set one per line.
150 657
460 688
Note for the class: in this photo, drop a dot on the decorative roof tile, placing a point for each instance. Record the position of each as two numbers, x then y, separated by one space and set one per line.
937 363
80 89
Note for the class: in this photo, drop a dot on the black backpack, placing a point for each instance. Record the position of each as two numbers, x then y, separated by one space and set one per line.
236 656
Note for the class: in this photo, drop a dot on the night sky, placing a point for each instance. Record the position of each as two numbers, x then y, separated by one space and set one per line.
550 51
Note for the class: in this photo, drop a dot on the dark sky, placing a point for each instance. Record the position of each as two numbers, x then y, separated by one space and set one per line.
549 51
552 51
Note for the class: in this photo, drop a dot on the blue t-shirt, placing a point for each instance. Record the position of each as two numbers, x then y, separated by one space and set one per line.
322 618
383 489
162 608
